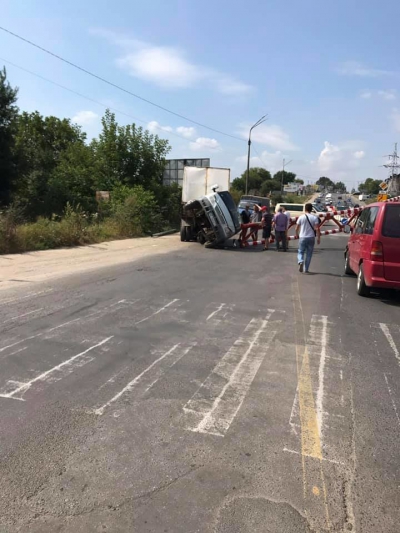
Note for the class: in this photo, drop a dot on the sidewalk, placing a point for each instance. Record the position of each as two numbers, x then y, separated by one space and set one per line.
33 267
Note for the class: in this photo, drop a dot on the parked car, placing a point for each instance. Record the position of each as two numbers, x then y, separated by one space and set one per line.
373 249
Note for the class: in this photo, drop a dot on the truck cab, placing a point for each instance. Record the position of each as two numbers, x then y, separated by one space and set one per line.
209 213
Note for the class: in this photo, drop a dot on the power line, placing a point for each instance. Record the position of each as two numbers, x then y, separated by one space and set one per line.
104 80
90 99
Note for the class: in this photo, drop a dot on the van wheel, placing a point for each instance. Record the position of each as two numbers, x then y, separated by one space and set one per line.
347 269
362 288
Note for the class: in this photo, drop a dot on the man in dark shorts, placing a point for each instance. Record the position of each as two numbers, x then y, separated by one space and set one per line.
266 226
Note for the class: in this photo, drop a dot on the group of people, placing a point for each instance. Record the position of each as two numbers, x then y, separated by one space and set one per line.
307 230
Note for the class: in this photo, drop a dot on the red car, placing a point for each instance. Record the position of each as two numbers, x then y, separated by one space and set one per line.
373 250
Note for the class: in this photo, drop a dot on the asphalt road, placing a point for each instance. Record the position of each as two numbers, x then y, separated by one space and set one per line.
201 391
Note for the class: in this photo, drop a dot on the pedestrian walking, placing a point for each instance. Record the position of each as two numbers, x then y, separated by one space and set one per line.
266 224
307 229
287 229
281 224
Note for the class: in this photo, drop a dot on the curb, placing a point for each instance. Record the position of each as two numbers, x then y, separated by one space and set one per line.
168 232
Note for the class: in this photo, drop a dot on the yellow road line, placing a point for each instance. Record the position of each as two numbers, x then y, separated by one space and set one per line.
310 437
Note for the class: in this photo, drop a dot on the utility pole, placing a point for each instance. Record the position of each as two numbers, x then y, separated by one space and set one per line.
284 164
394 171
260 121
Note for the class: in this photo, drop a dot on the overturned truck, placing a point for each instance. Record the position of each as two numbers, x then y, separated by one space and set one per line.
209 214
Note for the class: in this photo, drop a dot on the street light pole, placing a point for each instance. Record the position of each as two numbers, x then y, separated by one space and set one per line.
260 121
284 164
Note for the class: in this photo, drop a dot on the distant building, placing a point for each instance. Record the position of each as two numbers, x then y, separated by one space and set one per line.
173 172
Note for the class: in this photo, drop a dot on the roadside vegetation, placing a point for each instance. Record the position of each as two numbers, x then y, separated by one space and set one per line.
50 174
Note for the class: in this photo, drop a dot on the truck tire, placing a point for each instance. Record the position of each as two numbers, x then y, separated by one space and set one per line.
183 233
189 233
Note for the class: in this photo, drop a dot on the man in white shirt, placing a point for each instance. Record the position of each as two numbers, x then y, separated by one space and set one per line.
307 229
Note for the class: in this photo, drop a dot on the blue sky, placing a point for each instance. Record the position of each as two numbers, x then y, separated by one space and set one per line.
327 74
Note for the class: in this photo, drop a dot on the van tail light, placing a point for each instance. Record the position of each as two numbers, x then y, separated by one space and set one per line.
377 251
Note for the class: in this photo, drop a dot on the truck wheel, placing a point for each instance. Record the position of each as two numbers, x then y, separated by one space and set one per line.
183 233
362 288
189 233
201 238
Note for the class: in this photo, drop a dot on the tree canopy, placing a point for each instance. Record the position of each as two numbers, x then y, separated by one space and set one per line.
47 163
8 117
370 186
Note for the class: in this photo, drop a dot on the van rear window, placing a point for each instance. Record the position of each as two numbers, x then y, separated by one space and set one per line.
391 224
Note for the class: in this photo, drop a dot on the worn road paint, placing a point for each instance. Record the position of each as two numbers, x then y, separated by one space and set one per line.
55 328
310 436
30 295
390 340
319 333
393 402
216 403
210 316
22 316
324 459
158 311
45 375
172 354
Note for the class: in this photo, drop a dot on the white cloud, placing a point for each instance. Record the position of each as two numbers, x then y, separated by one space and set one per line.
388 95
338 159
360 154
85 118
270 135
366 95
187 132
169 67
354 68
205 143
155 127
395 117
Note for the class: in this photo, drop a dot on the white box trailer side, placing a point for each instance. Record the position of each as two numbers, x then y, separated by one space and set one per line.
197 182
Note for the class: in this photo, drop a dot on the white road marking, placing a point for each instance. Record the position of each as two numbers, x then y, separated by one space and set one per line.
390 340
22 388
132 384
321 337
47 331
214 413
30 295
22 316
158 311
305 455
393 402
18 351
216 311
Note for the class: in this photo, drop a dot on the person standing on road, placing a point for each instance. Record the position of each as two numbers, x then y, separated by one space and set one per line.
245 214
287 229
281 225
307 229
255 218
266 227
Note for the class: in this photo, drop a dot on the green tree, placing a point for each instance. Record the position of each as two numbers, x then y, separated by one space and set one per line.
340 186
284 177
269 186
323 181
40 145
370 186
8 116
128 155
257 176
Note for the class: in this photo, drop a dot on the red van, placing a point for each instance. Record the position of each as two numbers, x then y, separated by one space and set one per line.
373 250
